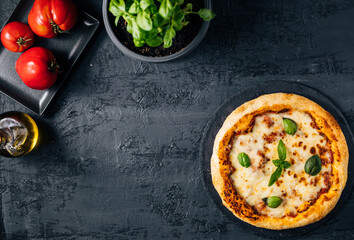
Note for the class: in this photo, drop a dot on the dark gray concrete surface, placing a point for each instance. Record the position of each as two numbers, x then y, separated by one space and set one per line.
118 158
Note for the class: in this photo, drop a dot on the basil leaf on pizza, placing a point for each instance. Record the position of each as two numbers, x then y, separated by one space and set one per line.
244 160
299 160
277 162
272 202
289 126
275 176
313 165
286 164
281 150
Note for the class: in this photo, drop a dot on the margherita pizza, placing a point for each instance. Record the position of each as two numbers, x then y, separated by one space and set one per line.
280 161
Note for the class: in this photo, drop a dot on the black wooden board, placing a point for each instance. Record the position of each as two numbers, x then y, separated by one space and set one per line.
248 94
66 48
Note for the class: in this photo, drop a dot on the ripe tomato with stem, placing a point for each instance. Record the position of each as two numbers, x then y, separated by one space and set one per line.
37 68
17 37
48 18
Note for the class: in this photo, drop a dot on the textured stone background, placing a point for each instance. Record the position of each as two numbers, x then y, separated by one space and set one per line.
118 158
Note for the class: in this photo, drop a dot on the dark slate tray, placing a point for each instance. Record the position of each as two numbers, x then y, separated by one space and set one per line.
255 91
66 48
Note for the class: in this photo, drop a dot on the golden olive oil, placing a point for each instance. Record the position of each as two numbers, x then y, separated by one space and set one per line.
18 134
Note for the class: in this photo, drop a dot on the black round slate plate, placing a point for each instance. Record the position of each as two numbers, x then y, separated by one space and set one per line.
249 94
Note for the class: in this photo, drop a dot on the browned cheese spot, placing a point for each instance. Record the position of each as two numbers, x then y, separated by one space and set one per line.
314 181
313 150
267 120
302 179
272 137
279 182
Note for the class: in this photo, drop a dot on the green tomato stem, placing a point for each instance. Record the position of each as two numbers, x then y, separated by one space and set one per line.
56 27
23 41
53 66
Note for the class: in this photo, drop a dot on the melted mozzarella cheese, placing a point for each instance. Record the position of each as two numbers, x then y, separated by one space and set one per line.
294 187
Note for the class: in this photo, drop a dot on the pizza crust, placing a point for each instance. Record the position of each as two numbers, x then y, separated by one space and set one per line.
328 125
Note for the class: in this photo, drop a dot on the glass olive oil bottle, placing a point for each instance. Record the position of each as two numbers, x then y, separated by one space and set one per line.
18 134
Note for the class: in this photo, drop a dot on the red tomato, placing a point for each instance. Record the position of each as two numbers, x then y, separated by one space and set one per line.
50 17
38 68
17 37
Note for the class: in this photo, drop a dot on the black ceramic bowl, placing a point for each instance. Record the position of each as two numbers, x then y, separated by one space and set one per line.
191 46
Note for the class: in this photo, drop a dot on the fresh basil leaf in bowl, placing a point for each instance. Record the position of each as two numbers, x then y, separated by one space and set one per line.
144 21
206 14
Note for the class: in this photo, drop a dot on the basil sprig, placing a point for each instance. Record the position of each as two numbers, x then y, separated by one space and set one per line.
290 126
281 150
273 201
244 160
155 22
279 163
275 176
313 165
